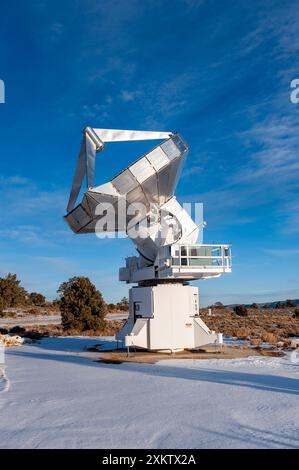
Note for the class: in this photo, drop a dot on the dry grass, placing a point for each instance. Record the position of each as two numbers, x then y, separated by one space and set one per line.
21 312
270 325
36 332
269 338
256 341
261 325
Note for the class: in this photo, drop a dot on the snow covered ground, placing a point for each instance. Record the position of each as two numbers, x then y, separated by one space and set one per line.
35 320
53 395
30 320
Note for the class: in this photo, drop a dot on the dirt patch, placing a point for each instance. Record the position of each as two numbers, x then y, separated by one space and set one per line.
269 352
149 357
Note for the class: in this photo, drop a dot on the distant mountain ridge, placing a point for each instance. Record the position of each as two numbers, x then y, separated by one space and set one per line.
271 304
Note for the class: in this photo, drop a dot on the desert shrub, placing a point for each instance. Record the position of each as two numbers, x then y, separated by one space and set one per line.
8 314
36 299
290 303
33 311
111 307
241 310
269 338
254 305
2 306
123 304
255 341
266 306
241 333
218 305
295 315
81 304
12 294
55 303
17 330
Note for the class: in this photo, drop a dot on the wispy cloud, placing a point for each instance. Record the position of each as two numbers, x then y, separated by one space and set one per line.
56 30
30 214
275 161
193 170
276 22
28 234
165 100
61 264
128 96
289 212
281 253
21 196
13 180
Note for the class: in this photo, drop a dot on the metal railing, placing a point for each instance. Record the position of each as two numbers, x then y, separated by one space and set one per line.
194 257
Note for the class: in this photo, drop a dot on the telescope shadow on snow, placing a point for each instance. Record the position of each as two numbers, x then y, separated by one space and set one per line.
62 353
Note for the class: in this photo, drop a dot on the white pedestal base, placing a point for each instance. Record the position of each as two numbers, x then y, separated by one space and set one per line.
165 317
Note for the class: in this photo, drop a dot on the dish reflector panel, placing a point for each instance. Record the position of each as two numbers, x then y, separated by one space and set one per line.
151 179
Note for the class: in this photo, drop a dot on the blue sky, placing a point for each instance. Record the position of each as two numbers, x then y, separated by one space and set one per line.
218 72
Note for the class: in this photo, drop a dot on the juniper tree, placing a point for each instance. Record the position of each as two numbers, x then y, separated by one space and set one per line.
81 305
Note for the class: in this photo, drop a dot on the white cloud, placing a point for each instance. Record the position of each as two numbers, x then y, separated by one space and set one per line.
59 263
27 234
56 30
14 180
128 95
277 153
30 214
21 195
278 23
165 100
193 170
283 252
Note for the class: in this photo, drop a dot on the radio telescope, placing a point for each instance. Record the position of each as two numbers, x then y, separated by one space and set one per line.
140 201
